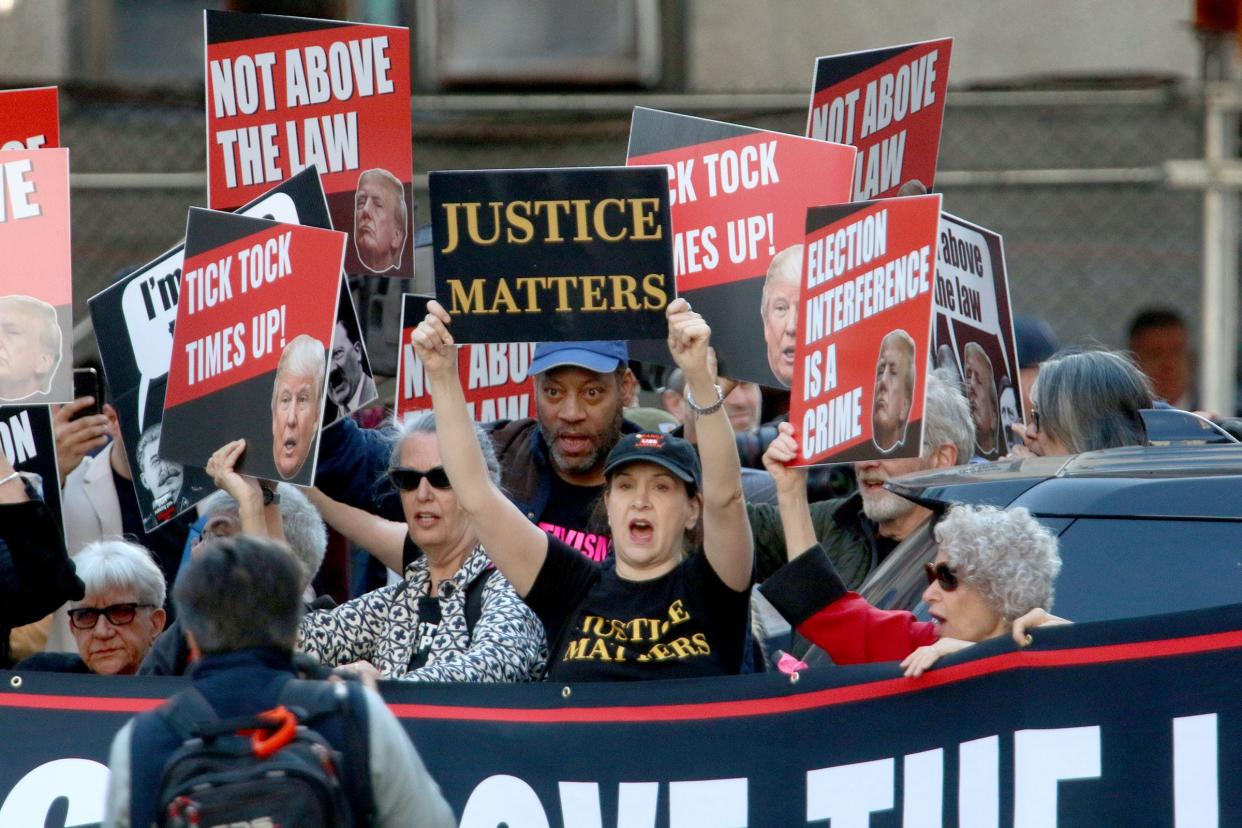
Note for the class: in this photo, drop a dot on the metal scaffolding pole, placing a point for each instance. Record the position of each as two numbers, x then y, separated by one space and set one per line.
1219 335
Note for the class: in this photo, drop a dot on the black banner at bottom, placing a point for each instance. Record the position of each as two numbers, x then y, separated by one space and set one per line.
1135 722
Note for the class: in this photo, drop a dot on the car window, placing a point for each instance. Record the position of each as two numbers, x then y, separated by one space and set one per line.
1119 568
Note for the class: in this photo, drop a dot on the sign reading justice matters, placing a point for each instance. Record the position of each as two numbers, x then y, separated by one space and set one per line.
553 254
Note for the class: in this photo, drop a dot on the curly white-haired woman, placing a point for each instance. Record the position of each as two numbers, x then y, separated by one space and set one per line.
993 575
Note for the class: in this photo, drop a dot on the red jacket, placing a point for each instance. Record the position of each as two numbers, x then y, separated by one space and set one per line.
812 597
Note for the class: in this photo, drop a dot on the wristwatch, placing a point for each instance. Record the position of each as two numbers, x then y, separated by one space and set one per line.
711 409
270 496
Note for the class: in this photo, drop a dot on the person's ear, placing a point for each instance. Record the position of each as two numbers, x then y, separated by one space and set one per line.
696 509
628 384
943 456
159 617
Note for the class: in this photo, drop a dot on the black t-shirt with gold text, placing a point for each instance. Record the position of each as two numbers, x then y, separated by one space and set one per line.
601 627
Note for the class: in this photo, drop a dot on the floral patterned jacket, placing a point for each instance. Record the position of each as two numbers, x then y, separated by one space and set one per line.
383 627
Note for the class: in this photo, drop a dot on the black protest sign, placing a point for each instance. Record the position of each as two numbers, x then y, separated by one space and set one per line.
553 255
250 346
991 736
29 442
134 320
973 331
739 200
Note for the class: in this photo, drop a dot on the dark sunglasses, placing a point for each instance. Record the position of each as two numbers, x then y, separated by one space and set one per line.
407 480
118 615
941 572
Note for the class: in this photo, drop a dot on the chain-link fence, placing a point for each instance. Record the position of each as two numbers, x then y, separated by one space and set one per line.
1072 179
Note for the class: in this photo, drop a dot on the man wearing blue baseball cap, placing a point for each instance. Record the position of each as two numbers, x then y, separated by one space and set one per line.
551 465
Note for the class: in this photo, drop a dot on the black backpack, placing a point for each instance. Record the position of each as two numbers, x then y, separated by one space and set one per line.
270 769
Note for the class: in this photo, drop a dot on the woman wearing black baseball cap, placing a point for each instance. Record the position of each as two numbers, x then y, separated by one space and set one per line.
654 609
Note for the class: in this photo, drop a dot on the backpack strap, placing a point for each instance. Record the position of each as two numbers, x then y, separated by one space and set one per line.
474 598
189 714
339 699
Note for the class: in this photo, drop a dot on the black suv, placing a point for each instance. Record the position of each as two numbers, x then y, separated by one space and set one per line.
1143 530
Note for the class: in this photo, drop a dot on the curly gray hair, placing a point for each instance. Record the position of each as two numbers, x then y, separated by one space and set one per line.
1008 556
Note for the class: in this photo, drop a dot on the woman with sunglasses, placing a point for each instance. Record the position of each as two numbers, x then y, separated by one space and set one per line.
1085 401
654 609
993 575
453 616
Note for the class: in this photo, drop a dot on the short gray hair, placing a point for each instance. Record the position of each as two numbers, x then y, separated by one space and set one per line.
1091 400
424 422
117 564
306 357
240 593
946 417
1008 556
305 533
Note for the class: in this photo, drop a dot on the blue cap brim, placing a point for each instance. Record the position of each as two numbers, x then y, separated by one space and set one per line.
578 357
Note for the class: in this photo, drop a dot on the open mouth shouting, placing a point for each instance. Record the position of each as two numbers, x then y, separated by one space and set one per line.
641 531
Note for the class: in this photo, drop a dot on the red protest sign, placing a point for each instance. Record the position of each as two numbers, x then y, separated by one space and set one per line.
36 278
890 104
258 303
493 375
739 198
29 118
285 93
864 328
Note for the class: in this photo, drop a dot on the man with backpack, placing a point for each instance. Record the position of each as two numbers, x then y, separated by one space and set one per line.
248 743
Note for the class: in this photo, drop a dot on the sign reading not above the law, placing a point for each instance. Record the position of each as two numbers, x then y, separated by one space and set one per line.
29 118
890 104
286 93
553 255
493 374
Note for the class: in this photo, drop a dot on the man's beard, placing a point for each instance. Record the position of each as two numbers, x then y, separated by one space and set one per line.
604 443
884 506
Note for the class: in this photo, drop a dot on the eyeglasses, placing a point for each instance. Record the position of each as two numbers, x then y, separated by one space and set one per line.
118 615
1034 419
407 480
940 572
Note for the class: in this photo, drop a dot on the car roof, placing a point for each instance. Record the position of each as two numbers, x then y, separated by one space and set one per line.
1193 482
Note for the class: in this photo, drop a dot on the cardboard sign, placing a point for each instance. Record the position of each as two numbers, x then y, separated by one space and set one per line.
973 334
257 307
29 118
351 384
28 441
556 255
134 319
864 330
493 375
287 93
889 103
36 278
739 199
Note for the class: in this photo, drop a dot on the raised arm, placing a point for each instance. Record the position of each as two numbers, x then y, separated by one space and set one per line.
791 496
256 519
726 531
384 539
517 546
